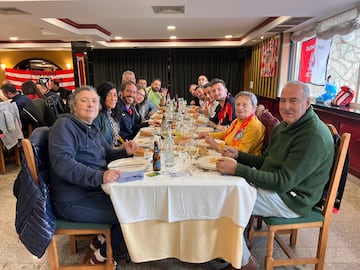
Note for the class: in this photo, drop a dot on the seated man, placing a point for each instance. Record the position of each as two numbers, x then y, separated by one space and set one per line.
225 111
156 94
291 174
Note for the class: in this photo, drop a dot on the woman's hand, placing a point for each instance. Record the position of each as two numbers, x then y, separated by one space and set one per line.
226 165
210 140
230 152
202 135
221 128
131 147
111 175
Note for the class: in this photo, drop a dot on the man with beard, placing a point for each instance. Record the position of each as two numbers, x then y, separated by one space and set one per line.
156 94
125 111
225 111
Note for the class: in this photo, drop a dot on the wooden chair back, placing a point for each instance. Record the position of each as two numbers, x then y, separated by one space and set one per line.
317 219
69 228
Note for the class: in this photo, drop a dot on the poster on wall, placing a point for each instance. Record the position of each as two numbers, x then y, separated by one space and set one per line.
269 58
17 77
313 61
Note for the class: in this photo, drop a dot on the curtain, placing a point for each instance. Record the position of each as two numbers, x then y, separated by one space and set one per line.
177 68
224 63
108 65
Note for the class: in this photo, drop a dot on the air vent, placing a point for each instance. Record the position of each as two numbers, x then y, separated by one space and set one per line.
12 11
289 24
169 9
296 21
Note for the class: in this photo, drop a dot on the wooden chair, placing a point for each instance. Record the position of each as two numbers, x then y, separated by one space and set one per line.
317 219
71 228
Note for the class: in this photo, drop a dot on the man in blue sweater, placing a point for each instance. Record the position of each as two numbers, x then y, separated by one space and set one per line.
291 174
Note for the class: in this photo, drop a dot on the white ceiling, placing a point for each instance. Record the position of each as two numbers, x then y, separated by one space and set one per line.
204 22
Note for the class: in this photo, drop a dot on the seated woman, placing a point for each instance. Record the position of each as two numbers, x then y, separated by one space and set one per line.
246 132
144 108
107 121
78 156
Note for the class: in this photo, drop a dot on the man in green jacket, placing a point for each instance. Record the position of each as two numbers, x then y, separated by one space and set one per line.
292 172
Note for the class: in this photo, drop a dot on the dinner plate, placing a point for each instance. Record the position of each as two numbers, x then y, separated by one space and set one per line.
207 162
145 142
203 143
204 129
129 164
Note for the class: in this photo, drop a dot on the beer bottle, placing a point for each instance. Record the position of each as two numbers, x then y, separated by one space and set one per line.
156 157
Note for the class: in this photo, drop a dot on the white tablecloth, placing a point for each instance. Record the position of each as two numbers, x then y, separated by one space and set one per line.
205 196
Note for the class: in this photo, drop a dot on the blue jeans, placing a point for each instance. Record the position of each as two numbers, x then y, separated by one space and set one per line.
95 207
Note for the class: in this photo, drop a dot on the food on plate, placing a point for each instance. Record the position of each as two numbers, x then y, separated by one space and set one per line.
146 133
202 151
140 152
157 116
182 139
213 160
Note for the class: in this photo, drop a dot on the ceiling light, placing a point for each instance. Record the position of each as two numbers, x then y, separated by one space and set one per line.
13 38
117 38
228 36
262 37
172 37
171 27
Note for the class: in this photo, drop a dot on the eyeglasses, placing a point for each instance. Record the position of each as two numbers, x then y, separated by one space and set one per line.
140 94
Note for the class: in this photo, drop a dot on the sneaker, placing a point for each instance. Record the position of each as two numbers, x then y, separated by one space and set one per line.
97 258
97 241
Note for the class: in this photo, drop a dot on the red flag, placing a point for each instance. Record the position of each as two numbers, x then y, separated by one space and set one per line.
18 77
307 60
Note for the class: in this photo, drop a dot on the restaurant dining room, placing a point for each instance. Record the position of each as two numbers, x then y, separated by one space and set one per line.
193 135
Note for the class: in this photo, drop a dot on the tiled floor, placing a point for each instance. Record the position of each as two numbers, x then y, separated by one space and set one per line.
343 250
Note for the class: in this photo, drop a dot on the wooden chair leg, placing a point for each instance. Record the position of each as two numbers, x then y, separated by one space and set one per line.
17 156
73 244
53 254
2 159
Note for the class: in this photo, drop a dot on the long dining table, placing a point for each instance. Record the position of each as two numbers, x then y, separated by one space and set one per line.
194 218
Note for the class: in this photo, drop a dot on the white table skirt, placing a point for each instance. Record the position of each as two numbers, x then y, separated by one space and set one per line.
171 199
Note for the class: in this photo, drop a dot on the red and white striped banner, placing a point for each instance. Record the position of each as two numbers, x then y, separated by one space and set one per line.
18 77
269 57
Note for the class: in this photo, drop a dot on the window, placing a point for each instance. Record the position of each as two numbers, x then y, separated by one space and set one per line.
343 64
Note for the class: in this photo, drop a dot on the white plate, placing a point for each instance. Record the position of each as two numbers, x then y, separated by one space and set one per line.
145 142
204 129
203 143
207 162
129 164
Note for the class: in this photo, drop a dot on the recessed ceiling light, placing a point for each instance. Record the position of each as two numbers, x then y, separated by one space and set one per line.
228 36
171 27
172 37
117 38
262 37
13 38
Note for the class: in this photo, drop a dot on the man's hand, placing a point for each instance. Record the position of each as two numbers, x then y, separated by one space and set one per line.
230 152
164 92
111 175
202 135
226 165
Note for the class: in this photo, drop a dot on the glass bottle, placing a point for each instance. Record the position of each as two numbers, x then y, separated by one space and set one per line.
169 149
156 157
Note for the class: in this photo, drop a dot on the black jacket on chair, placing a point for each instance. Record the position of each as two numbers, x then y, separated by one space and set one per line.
35 221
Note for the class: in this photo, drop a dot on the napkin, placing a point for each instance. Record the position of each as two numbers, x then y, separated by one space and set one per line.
130 176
